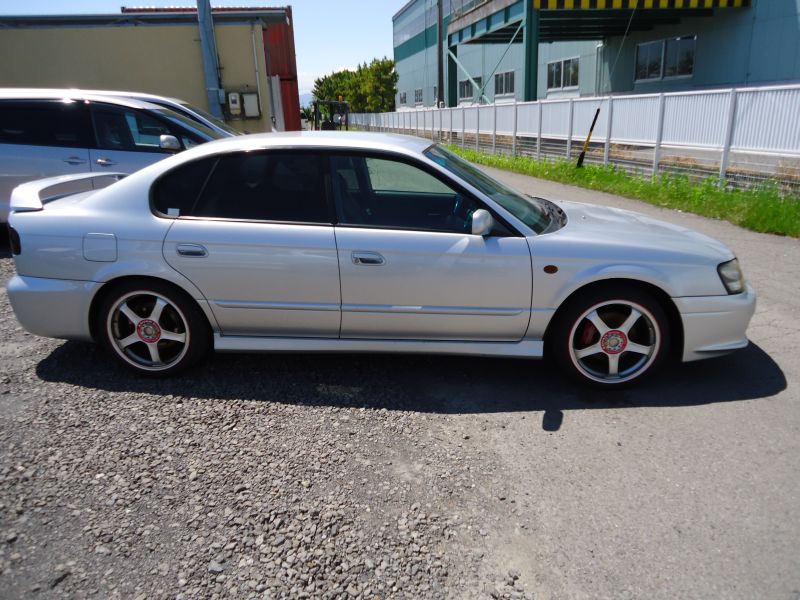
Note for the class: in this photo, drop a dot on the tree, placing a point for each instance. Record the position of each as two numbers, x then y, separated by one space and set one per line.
370 88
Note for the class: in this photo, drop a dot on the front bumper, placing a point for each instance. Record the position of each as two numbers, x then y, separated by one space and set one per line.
715 325
56 308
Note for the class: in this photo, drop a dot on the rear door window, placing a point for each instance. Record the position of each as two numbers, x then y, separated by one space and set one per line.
45 123
176 192
268 186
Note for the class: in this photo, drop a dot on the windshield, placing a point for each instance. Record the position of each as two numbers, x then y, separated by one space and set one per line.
528 210
199 131
211 119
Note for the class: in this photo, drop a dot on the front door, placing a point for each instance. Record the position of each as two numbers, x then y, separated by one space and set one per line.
258 243
410 266
129 139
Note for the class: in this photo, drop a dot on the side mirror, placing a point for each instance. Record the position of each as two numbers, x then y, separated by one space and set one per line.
169 142
482 222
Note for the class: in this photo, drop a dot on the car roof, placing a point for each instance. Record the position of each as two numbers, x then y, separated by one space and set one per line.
73 94
351 140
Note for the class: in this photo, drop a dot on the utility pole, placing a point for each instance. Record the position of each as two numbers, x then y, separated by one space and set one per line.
440 56
208 46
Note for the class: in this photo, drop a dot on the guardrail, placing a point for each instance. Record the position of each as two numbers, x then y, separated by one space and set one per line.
744 135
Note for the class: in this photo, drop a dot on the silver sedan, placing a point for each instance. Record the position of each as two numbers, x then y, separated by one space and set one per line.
343 242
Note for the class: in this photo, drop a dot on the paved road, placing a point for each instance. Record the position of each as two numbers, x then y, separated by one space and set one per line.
686 487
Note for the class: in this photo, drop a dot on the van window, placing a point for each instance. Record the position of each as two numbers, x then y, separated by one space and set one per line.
45 123
130 130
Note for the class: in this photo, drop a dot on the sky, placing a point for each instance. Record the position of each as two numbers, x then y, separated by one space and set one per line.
329 36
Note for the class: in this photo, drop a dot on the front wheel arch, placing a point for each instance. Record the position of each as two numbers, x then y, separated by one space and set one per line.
668 306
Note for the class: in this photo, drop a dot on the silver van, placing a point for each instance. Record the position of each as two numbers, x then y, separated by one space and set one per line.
58 132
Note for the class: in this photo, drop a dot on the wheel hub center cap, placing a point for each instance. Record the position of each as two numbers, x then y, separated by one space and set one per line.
148 331
614 342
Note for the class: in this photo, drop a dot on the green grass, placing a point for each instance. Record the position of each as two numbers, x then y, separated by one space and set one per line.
762 209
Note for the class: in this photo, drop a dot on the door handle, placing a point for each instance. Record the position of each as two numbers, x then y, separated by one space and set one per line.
74 160
368 258
105 162
191 250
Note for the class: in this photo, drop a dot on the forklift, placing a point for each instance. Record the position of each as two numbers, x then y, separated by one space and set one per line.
337 115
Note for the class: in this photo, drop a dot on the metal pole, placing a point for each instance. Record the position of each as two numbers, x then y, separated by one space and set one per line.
609 122
530 45
659 134
439 55
726 147
208 46
569 128
514 134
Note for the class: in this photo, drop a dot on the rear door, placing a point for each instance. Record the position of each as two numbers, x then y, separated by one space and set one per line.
258 242
41 139
129 139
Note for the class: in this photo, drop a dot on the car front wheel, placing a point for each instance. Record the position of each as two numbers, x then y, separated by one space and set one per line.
611 337
153 328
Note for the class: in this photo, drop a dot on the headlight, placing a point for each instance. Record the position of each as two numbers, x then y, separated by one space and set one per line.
731 276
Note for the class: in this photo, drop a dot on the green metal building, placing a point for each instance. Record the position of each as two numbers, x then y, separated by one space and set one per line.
506 50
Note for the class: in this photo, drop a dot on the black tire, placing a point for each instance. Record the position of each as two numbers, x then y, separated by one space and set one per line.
152 327
598 339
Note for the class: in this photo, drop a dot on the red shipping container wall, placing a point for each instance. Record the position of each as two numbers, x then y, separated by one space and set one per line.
282 61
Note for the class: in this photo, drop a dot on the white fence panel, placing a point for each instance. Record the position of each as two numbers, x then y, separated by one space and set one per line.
505 118
471 119
486 118
696 119
528 119
768 120
555 118
583 115
437 120
635 119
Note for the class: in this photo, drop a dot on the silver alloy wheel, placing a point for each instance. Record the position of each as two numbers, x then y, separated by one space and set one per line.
614 341
148 330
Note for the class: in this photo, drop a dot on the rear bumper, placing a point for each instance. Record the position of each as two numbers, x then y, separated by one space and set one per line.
56 308
715 325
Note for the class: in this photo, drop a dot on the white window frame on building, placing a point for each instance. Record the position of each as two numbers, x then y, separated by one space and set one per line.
418 97
665 51
466 84
403 99
563 65
504 84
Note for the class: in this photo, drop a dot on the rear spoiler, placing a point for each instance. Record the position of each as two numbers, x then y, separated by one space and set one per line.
34 195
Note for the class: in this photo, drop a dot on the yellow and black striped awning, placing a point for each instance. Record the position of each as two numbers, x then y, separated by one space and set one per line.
638 4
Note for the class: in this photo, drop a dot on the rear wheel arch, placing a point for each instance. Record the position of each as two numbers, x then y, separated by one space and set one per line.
114 284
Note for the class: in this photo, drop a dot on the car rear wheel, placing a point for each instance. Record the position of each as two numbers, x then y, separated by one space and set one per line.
153 328
611 337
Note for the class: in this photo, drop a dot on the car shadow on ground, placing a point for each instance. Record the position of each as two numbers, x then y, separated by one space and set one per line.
440 384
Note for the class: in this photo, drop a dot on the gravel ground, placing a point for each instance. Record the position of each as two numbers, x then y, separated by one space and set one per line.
317 477
302 476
